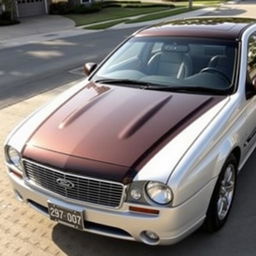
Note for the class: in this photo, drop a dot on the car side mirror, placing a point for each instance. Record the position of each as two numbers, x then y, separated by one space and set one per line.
89 67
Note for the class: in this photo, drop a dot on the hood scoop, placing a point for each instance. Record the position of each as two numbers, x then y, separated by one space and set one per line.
135 124
81 110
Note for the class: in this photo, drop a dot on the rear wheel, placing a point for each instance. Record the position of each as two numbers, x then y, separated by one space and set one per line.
222 197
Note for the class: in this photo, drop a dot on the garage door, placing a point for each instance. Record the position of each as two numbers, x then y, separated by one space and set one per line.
31 7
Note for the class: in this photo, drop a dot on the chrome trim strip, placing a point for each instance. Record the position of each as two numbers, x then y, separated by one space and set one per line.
74 201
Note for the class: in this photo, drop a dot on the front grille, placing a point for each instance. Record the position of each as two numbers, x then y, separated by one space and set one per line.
80 188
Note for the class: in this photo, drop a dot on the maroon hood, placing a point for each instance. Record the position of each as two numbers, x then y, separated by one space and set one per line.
103 131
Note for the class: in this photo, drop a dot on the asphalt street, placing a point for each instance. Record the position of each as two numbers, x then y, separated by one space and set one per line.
31 69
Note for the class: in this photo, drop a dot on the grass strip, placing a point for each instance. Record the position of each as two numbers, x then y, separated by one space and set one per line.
106 24
161 15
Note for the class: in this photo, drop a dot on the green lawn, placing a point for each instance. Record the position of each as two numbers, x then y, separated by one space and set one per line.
112 13
161 15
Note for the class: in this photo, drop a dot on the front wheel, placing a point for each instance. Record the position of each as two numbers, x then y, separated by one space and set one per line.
222 197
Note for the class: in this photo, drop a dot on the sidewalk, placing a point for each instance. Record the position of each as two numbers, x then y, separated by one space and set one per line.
51 27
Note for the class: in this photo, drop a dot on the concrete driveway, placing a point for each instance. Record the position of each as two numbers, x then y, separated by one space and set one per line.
241 9
36 25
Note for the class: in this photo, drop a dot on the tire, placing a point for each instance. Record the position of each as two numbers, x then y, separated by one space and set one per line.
222 197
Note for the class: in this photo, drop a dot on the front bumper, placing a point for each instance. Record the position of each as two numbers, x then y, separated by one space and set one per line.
171 225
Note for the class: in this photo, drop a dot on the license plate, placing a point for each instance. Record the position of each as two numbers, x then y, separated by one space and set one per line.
66 216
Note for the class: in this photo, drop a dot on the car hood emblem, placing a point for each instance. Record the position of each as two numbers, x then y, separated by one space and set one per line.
65 183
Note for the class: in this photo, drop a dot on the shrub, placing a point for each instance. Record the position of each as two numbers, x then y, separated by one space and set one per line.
136 4
121 2
60 8
63 8
82 9
8 22
6 19
5 16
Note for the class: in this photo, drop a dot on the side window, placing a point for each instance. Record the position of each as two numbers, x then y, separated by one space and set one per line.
251 65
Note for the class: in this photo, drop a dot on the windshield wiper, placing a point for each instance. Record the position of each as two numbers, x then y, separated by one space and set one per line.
138 83
158 87
185 89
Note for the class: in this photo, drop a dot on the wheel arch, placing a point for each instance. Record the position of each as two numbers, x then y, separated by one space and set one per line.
212 222
236 152
229 147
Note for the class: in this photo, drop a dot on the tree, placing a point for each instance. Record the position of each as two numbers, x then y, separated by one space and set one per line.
10 7
190 4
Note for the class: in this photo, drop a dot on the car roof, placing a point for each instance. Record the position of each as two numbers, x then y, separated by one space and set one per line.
206 27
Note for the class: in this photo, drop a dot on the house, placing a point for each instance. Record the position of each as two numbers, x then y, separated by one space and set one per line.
26 8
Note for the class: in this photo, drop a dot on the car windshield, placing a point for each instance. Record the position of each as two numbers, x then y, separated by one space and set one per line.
172 64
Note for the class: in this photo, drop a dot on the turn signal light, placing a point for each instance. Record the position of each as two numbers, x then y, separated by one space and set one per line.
16 173
143 210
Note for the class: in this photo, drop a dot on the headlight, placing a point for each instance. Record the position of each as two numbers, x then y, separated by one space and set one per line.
14 157
159 192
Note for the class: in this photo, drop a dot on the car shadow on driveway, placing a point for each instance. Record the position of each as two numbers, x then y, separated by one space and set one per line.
236 238
76 243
